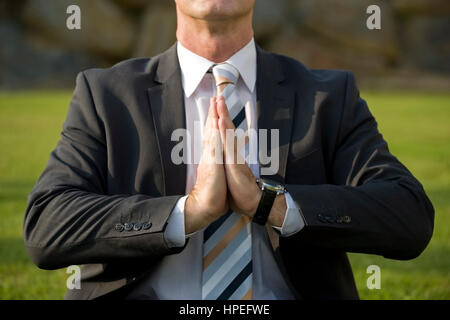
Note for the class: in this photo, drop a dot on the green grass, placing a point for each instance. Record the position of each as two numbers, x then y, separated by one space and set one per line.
416 125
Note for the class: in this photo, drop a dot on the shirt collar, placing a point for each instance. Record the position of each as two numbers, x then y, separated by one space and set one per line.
193 67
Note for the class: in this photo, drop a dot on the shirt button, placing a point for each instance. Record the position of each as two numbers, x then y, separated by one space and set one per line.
147 225
137 226
119 227
128 226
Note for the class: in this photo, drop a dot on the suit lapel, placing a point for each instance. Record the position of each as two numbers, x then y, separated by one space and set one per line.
275 104
167 107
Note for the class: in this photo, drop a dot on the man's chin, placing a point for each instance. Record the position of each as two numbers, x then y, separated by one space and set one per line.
221 13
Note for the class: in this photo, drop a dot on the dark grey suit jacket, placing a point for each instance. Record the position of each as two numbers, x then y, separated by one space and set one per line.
112 165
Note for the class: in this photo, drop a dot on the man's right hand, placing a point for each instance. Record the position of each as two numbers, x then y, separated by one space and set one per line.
207 200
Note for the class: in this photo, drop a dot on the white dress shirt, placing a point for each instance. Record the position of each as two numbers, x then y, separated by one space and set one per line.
179 276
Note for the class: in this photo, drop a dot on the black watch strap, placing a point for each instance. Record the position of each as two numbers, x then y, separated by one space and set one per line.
265 205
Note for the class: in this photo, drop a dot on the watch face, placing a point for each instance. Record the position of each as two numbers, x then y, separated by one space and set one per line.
271 185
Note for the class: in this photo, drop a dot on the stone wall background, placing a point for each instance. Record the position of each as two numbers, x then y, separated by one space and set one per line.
412 50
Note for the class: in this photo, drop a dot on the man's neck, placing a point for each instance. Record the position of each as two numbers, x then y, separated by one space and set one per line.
216 41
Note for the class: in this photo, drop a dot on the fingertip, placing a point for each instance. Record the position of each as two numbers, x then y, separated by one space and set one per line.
212 101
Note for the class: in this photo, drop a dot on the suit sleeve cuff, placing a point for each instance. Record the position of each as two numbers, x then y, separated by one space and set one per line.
293 221
174 235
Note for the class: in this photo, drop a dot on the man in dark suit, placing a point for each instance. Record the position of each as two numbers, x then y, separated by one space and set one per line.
144 226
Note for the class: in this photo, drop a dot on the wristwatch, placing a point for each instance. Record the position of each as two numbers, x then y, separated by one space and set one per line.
270 189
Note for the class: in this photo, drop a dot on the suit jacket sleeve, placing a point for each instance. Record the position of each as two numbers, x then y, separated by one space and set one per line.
374 204
70 219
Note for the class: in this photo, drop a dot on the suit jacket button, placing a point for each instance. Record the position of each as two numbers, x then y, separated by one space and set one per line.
347 219
146 225
137 226
119 227
128 226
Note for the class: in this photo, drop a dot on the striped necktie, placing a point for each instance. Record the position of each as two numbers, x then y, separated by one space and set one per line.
227 242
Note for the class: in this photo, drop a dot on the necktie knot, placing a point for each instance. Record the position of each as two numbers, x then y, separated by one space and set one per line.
224 74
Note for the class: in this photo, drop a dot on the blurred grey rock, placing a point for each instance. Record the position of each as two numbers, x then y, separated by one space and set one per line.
105 29
3 9
343 22
319 54
10 10
427 43
136 4
37 50
269 18
421 7
25 66
156 32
